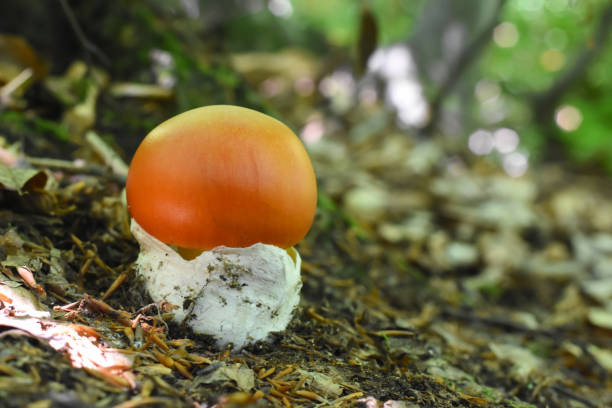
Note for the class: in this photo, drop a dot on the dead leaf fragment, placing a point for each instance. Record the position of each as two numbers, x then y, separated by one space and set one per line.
523 360
21 179
603 356
16 55
600 317
243 377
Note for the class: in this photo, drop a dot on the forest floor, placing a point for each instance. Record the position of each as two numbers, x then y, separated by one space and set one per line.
460 287
430 279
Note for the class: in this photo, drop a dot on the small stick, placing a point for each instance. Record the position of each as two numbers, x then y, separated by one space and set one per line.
75 167
115 285
110 157
13 85
76 27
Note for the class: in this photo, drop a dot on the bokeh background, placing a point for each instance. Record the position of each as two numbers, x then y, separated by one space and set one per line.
515 80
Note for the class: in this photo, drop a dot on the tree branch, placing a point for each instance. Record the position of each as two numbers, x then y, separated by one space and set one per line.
544 103
78 31
465 59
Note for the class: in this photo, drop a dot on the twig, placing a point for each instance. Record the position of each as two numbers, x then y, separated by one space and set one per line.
87 45
101 307
14 84
498 322
110 157
115 285
75 168
567 393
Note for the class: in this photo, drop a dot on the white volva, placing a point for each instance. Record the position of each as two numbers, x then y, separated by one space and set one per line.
237 295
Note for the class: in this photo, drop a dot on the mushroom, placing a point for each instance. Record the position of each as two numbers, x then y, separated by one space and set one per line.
234 189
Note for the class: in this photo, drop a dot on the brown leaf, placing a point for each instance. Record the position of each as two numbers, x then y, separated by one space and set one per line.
21 179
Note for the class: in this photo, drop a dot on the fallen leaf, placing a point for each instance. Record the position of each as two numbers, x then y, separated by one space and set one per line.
21 179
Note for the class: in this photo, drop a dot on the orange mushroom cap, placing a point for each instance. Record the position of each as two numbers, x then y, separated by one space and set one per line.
222 175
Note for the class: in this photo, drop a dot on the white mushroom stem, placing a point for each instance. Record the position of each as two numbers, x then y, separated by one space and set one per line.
237 295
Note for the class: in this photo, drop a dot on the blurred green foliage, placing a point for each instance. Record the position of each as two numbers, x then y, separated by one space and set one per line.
551 35
318 25
20 123
339 20
566 28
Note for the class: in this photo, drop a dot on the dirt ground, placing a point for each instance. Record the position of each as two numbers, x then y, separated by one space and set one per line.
461 287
